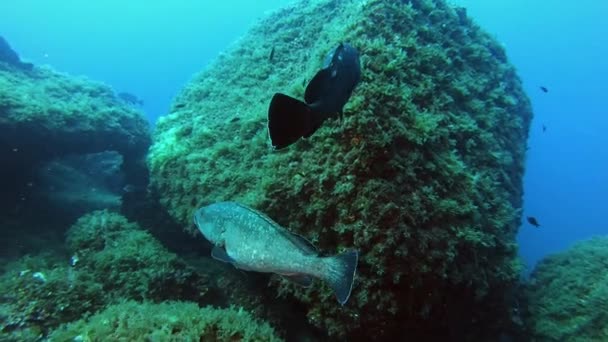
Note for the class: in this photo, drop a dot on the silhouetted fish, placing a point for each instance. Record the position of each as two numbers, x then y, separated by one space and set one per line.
544 89
130 98
544 128
252 241
326 94
532 220
271 56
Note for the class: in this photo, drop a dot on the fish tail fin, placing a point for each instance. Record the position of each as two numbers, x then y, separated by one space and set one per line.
289 119
341 274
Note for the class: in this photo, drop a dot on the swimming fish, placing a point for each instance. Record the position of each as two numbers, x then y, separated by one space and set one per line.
130 99
290 119
532 220
252 241
544 89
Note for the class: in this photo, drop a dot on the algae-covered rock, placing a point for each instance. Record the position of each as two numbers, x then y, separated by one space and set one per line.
567 294
168 321
110 260
129 262
46 115
423 175
40 292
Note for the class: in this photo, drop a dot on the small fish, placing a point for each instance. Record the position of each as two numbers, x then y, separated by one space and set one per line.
130 99
290 119
271 56
252 241
532 220
544 89
544 128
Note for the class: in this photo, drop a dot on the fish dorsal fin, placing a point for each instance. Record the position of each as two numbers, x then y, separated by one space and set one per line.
301 242
319 85
218 253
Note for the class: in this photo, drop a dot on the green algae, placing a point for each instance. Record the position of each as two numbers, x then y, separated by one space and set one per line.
110 259
46 115
567 294
128 262
167 321
423 175
56 108
40 292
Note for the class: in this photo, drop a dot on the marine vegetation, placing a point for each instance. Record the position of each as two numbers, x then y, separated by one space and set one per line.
567 294
46 115
110 260
166 321
423 175
129 262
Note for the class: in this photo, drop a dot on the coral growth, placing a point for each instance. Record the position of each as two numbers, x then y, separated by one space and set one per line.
423 176
567 294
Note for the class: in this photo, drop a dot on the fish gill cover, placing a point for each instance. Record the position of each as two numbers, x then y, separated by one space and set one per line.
423 175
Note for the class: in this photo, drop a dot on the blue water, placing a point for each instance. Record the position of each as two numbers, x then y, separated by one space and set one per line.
561 45
152 48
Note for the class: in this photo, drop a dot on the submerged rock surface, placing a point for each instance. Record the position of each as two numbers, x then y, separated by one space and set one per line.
423 175
45 115
567 294
167 321
112 260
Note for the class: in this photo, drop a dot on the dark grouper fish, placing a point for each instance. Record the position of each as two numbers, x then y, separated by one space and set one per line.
326 94
252 241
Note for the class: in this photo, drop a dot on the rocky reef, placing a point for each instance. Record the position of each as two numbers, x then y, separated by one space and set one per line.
109 260
567 294
167 321
10 56
46 116
423 175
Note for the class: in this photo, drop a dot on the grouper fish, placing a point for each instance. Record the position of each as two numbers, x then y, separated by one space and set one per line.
252 241
326 94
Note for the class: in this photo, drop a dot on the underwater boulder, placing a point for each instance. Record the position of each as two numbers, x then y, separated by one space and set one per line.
46 115
129 262
423 175
110 260
10 58
567 294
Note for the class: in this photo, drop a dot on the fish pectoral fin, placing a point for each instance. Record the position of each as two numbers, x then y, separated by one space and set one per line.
300 279
218 253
